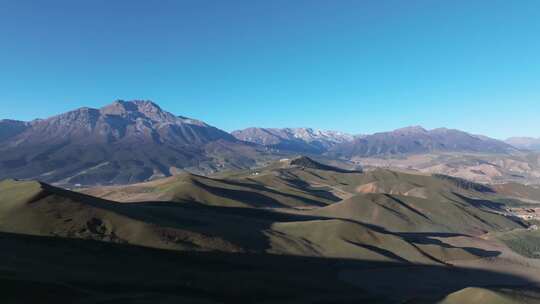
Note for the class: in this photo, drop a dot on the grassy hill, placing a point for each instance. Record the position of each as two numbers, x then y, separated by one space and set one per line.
50 211
328 231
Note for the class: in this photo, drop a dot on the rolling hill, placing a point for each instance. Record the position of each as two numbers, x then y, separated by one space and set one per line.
337 236
32 208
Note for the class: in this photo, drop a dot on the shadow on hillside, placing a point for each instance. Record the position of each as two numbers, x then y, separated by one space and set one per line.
247 228
56 270
465 184
481 203
306 187
247 197
315 192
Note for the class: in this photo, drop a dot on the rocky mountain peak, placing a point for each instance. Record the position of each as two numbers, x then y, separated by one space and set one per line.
122 142
411 130
79 118
147 107
119 107
137 109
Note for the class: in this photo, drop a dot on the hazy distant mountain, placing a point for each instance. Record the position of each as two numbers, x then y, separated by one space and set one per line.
126 141
305 140
416 140
528 143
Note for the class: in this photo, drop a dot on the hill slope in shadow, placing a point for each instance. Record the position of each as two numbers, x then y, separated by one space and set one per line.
306 233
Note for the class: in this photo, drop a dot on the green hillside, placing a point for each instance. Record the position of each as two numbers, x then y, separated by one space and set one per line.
313 232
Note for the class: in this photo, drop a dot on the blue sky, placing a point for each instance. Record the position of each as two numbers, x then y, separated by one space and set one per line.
355 66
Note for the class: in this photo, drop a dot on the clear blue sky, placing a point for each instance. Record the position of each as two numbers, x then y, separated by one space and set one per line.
356 66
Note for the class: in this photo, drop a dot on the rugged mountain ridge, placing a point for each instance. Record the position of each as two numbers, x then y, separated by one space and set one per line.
136 121
417 140
304 140
408 140
123 142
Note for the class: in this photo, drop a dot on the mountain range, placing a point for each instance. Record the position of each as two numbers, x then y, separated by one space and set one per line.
303 140
408 140
416 140
528 143
133 141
